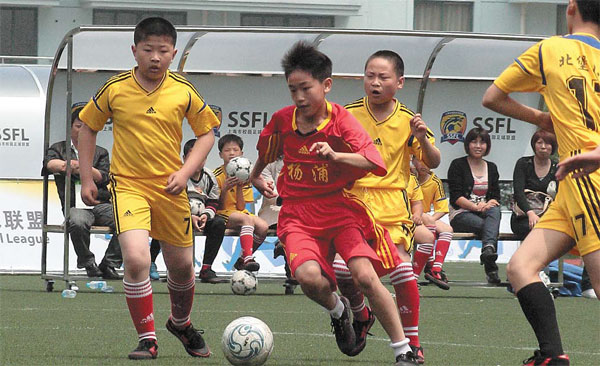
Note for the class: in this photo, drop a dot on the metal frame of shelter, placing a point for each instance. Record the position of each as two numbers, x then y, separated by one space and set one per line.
434 42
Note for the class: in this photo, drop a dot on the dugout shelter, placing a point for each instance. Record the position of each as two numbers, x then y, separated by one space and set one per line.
237 70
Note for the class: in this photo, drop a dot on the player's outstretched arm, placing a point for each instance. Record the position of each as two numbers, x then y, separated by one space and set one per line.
353 159
580 165
86 148
266 188
499 101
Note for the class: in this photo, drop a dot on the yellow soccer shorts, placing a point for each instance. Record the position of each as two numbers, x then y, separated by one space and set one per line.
226 213
143 204
576 212
391 209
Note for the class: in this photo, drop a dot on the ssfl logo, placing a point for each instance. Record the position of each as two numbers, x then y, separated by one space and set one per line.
453 125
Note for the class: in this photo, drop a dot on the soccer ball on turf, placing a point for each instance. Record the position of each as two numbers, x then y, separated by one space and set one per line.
243 283
239 167
196 206
247 341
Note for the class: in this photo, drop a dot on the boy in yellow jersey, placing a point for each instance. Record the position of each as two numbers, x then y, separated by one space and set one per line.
147 105
566 71
232 204
433 194
397 133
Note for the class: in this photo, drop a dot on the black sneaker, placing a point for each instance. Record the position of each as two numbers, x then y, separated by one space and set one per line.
418 352
191 338
406 359
290 286
488 257
209 276
342 328
493 278
436 278
361 329
239 264
147 349
540 360
92 270
251 265
278 251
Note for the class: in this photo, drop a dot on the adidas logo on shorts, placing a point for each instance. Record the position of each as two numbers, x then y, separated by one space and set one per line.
150 111
128 213
377 141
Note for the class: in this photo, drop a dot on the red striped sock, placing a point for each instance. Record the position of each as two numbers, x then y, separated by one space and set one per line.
139 301
420 258
441 249
246 239
182 298
408 301
350 291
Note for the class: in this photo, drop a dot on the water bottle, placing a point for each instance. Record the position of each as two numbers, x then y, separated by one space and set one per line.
96 285
107 289
68 294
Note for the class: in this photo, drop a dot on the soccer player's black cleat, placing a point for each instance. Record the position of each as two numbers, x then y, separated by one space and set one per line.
209 276
418 353
435 277
406 359
147 349
361 330
191 339
540 360
251 265
342 328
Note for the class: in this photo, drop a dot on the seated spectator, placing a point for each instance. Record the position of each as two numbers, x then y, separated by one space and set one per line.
232 205
269 211
475 198
83 217
535 173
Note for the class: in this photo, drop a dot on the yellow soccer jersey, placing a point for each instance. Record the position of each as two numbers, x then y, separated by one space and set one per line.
434 194
566 71
229 202
147 126
413 189
393 140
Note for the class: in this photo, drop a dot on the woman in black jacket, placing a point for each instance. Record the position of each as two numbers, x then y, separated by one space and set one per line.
536 173
475 198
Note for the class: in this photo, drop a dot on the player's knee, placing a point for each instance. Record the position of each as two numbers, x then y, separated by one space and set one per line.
309 276
365 281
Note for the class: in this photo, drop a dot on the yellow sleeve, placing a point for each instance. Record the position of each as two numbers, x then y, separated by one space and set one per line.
97 111
415 193
526 74
441 205
415 146
199 115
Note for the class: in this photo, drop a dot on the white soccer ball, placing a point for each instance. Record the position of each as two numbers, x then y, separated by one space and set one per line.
247 341
243 283
239 167
196 206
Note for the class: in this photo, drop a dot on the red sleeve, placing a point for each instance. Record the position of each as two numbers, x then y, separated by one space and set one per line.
270 145
360 142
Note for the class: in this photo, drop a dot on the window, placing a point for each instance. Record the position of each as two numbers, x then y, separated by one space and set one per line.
286 20
443 16
561 19
18 31
132 17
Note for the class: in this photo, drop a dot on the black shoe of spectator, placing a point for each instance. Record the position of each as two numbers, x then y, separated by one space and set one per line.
278 251
92 270
488 257
492 278
109 273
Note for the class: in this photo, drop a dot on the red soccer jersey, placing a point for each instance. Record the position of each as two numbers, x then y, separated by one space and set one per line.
304 173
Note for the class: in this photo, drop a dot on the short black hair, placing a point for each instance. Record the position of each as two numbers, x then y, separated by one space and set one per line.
306 57
589 10
392 57
154 26
230 138
188 146
473 134
548 138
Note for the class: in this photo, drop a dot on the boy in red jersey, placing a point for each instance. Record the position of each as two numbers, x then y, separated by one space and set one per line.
148 180
566 71
324 151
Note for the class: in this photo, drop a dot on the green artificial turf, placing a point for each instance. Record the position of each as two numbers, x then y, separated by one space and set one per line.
462 326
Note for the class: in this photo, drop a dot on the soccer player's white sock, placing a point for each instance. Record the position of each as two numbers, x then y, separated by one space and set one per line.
338 309
401 347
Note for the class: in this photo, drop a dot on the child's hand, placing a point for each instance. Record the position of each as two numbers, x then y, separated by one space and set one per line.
418 127
176 183
266 188
199 222
231 182
323 150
